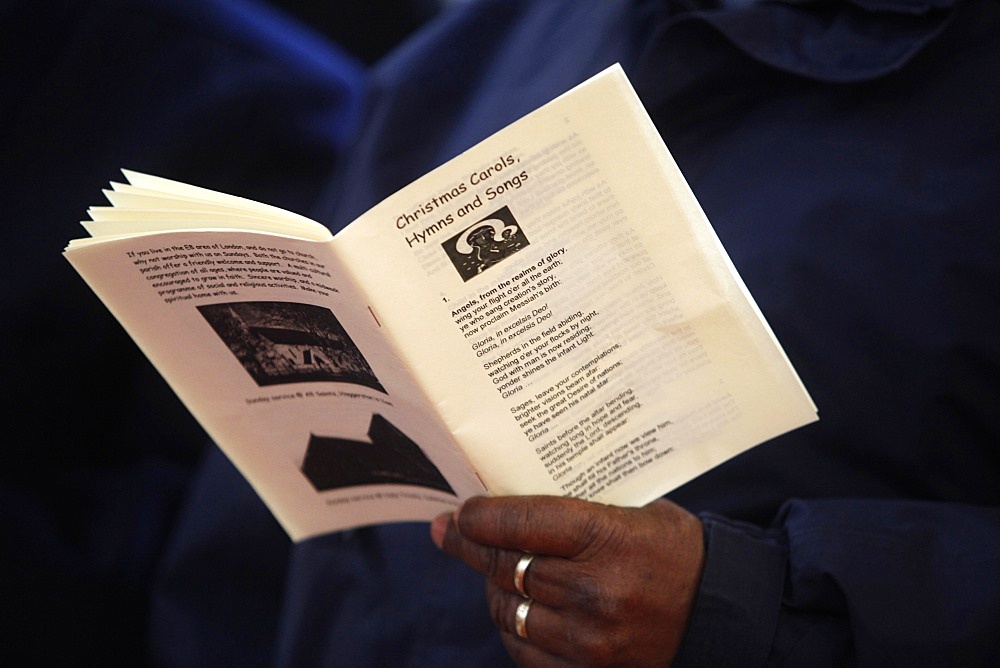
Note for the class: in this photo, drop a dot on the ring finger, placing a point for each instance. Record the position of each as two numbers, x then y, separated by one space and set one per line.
543 578
543 626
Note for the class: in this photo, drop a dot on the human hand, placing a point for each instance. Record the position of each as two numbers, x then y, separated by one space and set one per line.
608 585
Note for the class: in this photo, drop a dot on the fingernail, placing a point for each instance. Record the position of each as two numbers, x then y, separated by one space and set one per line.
438 527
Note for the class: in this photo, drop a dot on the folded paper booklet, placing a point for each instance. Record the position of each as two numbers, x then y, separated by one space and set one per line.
548 313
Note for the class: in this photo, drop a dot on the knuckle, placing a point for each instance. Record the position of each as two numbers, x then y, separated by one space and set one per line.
606 596
586 593
492 563
605 532
601 651
597 647
515 521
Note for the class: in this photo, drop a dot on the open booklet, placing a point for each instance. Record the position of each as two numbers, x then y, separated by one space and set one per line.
548 313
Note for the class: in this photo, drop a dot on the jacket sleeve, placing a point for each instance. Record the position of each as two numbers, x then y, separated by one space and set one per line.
843 582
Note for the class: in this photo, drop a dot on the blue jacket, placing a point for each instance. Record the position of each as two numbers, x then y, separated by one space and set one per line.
847 155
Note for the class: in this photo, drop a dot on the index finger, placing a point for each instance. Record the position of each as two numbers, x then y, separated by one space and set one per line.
552 525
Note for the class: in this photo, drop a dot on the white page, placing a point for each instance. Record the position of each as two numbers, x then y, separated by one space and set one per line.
195 302
665 365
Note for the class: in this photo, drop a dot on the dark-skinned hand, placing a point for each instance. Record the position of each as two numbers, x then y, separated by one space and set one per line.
609 585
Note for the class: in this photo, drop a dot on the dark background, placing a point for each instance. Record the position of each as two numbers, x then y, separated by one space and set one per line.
98 452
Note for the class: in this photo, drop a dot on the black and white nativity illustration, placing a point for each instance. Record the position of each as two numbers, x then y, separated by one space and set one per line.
485 243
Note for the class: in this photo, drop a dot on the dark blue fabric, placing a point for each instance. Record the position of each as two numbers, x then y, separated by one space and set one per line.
862 217
847 154
747 560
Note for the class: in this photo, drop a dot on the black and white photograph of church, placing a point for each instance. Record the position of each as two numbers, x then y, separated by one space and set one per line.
286 342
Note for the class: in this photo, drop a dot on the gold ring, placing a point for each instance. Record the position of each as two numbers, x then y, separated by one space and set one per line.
519 572
521 618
